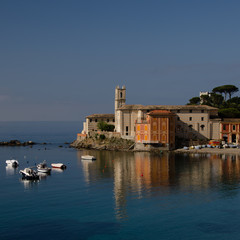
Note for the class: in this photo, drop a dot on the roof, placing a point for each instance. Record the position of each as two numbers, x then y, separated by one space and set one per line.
101 115
160 112
167 107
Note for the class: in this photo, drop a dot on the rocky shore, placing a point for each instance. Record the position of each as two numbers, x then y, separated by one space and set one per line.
112 144
12 143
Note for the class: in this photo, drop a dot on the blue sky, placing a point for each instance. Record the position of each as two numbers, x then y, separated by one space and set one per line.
62 59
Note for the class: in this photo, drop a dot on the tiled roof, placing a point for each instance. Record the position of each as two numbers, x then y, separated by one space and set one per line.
160 112
166 107
101 116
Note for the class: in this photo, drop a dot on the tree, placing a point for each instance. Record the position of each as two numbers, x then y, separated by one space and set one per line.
206 100
226 89
194 101
217 100
103 126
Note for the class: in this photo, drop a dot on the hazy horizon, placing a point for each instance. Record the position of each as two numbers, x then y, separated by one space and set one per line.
61 60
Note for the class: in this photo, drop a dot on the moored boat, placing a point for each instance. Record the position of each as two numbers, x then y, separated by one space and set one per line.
88 157
42 167
29 174
58 165
13 163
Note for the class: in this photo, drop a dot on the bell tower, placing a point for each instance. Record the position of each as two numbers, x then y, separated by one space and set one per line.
120 100
120 97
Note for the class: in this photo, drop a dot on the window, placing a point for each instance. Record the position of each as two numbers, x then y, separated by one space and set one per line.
190 111
234 127
113 120
190 126
202 127
178 118
126 130
178 111
120 94
202 111
224 127
95 120
190 118
90 120
107 120
202 118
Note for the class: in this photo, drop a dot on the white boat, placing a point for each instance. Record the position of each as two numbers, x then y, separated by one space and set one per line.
58 165
13 163
42 167
29 174
88 157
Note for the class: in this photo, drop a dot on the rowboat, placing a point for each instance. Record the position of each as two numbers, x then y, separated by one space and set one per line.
58 165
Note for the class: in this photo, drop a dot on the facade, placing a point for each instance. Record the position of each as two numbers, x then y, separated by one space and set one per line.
158 130
230 130
92 120
190 122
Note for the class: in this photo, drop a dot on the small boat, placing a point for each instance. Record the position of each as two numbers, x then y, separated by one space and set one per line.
13 163
42 167
29 174
88 157
58 165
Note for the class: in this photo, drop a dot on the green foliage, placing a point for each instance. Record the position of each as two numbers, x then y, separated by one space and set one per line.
226 89
229 113
227 108
102 136
194 101
103 126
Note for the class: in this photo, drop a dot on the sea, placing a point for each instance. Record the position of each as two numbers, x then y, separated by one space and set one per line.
120 195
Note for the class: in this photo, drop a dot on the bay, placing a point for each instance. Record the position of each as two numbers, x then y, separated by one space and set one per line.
121 195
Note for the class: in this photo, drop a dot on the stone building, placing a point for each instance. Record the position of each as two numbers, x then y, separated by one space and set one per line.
92 121
191 121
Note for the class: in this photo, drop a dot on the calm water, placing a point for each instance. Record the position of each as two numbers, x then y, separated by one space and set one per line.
120 195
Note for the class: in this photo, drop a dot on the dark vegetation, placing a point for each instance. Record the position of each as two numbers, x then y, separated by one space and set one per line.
103 126
221 97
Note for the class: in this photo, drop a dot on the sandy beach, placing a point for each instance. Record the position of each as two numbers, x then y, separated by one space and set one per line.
210 150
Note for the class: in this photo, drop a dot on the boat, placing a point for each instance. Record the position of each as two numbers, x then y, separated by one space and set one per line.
42 167
88 157
12 163
58 165
29 174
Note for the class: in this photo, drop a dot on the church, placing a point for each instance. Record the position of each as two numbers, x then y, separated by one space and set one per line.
157 125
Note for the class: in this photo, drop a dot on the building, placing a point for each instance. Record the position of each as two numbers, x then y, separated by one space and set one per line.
190 122
158 130
92 121
230 130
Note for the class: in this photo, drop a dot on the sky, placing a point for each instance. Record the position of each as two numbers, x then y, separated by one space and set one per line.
60 60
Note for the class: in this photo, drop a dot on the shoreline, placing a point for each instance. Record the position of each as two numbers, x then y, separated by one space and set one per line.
210 150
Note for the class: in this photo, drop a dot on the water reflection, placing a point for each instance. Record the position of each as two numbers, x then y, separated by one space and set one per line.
29 184
10 170
139 175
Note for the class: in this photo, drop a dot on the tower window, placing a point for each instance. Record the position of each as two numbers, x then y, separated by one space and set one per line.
120 94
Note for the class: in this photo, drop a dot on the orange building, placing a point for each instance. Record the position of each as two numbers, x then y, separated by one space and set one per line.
230 130
157 130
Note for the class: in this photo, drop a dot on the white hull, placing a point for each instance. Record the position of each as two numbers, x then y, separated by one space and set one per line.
88 157
58 165
13 163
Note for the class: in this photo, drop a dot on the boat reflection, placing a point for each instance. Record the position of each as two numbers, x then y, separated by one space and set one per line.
10 170
143 174
29 184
